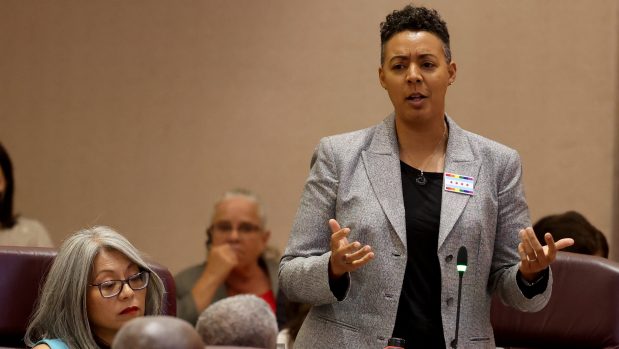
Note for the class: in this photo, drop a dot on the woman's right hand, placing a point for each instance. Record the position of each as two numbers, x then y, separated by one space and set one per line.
346 256
221 260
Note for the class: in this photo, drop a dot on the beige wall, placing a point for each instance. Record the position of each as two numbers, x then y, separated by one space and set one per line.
138 114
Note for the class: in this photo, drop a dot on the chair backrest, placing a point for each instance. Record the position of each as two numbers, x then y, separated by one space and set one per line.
583 311
22 272
169 301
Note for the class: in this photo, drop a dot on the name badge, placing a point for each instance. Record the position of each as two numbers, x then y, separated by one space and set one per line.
456 183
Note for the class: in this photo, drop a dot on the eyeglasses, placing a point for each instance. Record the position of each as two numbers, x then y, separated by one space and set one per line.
111 288
225 228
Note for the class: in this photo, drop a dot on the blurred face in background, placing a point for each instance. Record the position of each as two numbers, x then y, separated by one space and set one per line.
2 184
237 222
107 315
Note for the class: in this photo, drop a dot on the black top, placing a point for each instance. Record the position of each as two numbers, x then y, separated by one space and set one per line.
418 320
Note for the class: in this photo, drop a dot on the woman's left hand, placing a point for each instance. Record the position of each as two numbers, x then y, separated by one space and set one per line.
534 257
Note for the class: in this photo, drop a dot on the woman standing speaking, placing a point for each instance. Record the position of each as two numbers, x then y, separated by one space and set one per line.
386 209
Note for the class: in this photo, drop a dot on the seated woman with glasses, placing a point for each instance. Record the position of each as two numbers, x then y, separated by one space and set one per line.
97 282
238 262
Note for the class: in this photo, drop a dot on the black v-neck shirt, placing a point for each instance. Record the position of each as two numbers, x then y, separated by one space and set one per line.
418 320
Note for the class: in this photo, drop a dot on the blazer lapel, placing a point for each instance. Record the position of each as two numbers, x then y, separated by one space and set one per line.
461 160
382 164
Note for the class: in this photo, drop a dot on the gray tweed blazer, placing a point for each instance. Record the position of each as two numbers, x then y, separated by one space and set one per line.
355 178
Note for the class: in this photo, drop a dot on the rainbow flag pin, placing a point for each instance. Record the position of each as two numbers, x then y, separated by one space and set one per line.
456 183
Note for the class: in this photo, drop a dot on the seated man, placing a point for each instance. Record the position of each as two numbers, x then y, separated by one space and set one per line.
237 259
157 332
243 320
587 238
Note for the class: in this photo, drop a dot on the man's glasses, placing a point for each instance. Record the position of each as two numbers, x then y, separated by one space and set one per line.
111 288
225 228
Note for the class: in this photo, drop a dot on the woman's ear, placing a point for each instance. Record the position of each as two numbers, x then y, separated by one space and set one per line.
452 72
381 77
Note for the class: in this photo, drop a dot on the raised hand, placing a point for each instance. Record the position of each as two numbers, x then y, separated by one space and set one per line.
346 256
533 256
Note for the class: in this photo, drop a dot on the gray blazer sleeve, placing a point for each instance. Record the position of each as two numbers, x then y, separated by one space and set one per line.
303 271
512 211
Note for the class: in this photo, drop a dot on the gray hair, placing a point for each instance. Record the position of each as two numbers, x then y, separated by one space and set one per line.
243 320
245 193
61 310
157 332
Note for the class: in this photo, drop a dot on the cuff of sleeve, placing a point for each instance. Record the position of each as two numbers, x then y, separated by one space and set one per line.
339 286
538 286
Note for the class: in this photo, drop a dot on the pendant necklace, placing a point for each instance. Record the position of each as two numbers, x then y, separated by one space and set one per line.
421 179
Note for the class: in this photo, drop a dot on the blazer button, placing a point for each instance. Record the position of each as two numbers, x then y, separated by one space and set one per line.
450 301
449 258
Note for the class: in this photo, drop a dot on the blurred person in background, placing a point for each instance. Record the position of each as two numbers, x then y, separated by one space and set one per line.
587 238
295 315
238 259
14 229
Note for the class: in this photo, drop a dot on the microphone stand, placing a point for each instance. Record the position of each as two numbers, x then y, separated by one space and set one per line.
454 344
461 264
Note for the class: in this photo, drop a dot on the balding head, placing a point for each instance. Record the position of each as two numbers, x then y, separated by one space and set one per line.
157 332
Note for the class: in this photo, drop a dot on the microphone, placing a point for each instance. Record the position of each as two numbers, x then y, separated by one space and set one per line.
461 264
461 261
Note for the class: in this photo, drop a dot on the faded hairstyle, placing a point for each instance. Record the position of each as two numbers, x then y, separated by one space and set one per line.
412 18
61 309
242 320
7 218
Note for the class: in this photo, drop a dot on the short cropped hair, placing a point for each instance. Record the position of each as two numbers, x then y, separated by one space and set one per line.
242 320
61 310
157 332
412 18
247 194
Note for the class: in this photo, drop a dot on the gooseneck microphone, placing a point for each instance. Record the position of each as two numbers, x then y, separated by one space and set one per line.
461 263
